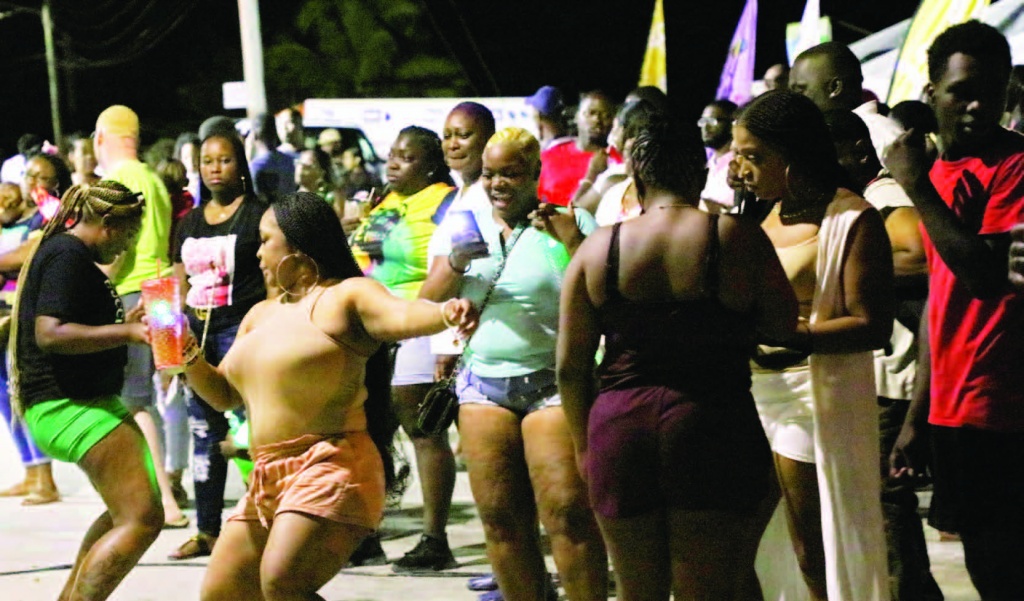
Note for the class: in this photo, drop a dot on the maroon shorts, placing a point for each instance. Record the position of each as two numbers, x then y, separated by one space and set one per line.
655 447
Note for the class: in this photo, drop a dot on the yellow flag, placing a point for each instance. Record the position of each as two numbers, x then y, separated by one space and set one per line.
654 72
932 18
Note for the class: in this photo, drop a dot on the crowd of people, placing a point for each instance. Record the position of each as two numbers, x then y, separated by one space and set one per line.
719 358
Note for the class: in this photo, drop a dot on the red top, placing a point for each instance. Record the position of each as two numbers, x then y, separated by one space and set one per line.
562 166
976 345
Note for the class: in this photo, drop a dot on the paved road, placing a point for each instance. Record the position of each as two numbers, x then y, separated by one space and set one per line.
38 543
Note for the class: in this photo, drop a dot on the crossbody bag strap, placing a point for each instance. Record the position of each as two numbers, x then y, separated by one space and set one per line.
506 252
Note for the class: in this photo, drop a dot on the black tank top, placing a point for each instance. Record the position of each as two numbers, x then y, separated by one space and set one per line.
697 345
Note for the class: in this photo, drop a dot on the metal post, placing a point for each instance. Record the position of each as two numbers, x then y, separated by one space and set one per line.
51 69
252 56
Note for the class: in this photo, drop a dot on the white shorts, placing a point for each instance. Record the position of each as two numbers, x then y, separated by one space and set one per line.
785 405
414 363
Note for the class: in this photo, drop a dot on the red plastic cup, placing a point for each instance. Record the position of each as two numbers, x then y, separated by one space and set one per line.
166 322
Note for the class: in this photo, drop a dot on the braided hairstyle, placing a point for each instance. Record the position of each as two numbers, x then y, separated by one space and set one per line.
105 200
669 158
793 125
311 227
433 162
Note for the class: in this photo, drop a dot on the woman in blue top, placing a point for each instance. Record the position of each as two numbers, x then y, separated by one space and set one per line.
514 435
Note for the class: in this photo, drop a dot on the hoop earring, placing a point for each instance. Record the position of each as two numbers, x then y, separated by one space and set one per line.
287 291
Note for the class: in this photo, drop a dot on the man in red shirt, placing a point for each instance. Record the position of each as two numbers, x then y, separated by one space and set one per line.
968 201
565 165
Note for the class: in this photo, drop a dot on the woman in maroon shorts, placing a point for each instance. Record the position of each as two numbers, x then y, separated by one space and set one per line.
669 438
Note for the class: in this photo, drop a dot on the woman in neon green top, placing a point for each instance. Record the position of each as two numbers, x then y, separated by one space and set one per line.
390 246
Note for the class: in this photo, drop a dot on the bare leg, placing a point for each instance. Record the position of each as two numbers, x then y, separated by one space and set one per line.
118 468
493 446
303 553
95 532
435 461
639 548
750 587
561 498
234 570
147 424
799 483
706 549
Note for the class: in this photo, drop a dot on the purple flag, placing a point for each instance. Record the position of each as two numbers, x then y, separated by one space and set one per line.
738 73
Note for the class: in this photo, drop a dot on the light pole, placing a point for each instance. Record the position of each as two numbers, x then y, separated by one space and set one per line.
51 60
51 70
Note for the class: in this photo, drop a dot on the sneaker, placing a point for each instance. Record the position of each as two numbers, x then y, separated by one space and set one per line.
431 553
368 553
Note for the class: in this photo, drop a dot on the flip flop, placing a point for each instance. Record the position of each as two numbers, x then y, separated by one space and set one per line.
482 583
178 524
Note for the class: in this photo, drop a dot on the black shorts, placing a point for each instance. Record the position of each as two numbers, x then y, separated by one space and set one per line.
978 480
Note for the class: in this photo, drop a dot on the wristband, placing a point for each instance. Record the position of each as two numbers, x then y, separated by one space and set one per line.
444 316
190 354
464 270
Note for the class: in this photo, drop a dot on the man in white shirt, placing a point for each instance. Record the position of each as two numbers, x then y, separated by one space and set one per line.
830 75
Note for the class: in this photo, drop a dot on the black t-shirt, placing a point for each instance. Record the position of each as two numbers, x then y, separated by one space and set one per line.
64 282
221 264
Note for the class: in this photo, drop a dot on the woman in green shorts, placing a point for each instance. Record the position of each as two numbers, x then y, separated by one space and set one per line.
68 344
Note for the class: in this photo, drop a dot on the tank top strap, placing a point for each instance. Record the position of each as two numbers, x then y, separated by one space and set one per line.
711 259
611 275
312 305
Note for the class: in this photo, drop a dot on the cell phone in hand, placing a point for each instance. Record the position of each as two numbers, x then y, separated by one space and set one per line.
466 235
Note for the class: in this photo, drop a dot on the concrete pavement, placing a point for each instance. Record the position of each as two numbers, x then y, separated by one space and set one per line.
37 544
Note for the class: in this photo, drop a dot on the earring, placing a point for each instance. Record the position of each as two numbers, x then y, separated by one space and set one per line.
287 290
245 188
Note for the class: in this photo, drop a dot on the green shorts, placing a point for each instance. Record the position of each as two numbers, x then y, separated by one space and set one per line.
66 429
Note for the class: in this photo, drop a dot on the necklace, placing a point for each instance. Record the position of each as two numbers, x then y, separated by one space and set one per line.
812 210
676 206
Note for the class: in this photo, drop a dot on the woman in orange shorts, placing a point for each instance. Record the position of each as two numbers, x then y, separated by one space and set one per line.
312 371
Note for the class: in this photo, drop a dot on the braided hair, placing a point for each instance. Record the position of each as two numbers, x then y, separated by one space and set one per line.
310 226
670 158
433 162
84 203
793 125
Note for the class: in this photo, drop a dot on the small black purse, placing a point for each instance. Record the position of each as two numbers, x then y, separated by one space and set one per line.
439 407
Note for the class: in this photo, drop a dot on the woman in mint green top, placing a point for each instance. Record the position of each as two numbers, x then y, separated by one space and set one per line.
515 438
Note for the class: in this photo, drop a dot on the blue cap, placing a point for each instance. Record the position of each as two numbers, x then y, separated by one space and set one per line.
548 101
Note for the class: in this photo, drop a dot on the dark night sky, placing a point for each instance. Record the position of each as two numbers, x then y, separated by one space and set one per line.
575 44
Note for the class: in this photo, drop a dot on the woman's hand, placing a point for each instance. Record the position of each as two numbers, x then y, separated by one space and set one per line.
137 332
136 314
559 225
460 314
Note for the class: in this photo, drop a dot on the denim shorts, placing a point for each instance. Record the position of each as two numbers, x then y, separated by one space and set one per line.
521 395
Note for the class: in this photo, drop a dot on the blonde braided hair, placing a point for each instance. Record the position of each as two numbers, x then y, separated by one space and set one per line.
88 203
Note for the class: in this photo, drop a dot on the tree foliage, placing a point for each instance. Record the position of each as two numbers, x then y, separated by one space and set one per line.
361 48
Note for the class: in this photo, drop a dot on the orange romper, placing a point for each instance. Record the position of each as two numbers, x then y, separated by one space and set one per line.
337 476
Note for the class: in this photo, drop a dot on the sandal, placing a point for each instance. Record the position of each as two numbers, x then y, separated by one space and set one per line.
200 545
177 524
